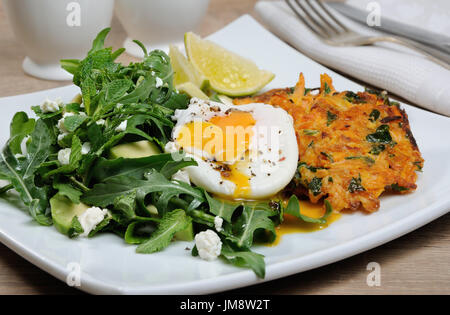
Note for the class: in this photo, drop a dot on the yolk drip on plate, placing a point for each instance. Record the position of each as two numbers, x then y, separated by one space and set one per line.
225 139
293 225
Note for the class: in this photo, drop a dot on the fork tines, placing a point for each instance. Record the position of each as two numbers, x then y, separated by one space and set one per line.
317 17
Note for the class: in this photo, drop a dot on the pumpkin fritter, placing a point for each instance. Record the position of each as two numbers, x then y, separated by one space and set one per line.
352 146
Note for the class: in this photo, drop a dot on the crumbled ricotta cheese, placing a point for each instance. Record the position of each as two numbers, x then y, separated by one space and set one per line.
49 106
218 221
62 136
170 147
64 156
208 245
122 126
23 145
60 124
181 176
159 82
90 218
85 148
100 122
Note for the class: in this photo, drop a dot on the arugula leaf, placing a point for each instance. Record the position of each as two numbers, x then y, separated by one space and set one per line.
221 207
254 216
105 169
139 232
126 204
293 208
171 223
67 190
171 167
21 173
74 160
75 228
21 127
244 258
104 223
104 194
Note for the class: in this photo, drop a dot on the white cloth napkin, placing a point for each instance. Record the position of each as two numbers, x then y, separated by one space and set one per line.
387 66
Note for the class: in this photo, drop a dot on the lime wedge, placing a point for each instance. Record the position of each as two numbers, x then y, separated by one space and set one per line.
227 72
192 90
183 70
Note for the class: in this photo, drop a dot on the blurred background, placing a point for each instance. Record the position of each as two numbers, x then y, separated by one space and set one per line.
14 81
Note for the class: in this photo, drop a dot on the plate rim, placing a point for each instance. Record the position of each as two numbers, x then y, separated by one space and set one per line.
246 278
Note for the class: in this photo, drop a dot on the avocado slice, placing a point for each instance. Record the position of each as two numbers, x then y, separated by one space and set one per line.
185 235
134 150
63 211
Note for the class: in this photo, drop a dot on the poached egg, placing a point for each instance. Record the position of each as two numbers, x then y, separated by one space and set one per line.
242 151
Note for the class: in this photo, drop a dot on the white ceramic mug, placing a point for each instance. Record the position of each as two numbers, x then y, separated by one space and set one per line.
52 30
158 23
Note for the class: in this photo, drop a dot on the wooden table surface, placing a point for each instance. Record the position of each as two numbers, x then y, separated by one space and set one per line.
417 263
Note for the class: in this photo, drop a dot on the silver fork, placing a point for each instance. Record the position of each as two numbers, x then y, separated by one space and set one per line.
330 30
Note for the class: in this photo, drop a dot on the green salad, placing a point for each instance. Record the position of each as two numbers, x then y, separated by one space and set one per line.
96 165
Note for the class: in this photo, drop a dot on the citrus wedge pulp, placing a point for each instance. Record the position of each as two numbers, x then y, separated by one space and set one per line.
227 72
183 69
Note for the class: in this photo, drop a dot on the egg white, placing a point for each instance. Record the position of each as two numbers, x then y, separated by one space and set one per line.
273 140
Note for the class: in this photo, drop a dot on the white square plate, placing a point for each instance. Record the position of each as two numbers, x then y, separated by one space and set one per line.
108 265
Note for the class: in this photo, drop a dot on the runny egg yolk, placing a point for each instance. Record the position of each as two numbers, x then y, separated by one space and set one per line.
225 139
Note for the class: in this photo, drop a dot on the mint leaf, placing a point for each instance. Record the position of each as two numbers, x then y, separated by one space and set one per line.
71 123
116 89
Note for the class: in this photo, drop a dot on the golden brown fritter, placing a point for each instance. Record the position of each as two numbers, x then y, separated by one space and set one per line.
352 146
